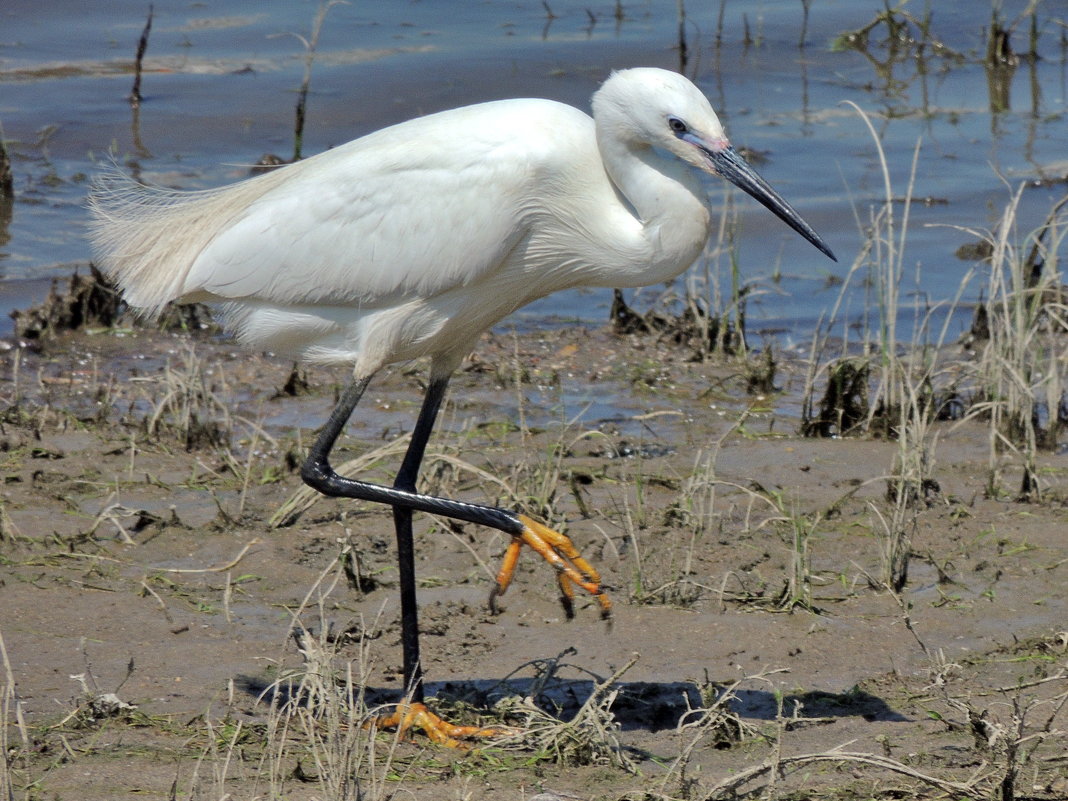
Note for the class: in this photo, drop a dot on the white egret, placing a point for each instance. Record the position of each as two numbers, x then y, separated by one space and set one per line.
412 240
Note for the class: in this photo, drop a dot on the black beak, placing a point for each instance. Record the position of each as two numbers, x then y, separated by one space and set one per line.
731 166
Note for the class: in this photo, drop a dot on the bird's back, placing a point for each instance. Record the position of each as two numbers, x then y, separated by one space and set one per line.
429 208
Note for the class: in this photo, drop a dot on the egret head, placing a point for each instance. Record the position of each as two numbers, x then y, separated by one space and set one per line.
649 107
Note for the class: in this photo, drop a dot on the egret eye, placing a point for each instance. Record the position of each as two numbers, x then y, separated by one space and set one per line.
677 125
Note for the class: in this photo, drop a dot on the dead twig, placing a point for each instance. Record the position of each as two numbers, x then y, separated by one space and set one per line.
142 45
968 789
217 569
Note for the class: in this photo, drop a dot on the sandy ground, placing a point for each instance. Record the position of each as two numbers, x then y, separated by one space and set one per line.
144 562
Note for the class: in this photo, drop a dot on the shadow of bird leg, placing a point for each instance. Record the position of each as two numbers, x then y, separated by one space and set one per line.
572 569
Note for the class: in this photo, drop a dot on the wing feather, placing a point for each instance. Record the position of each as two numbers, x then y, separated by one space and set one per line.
369 226
317 255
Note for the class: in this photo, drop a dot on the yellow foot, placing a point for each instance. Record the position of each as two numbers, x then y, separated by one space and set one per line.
572 570
407 717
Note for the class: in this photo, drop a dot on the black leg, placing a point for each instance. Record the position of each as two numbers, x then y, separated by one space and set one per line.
404 499
555 548
317 465
318 473
402 520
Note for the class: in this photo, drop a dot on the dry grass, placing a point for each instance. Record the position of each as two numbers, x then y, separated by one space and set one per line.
192 408
317 728
591 737
1018 375
1010 374
14 754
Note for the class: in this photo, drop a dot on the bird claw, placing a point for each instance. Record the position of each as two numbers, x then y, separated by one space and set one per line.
408 716
572 569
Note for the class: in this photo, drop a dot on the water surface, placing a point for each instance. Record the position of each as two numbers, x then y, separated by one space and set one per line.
221 78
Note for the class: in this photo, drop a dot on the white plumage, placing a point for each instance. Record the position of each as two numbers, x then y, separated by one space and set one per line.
412 240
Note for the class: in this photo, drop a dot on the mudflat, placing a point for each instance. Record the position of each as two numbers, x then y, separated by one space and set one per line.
158 559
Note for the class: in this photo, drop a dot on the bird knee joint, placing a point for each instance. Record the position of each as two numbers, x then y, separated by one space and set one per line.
316 473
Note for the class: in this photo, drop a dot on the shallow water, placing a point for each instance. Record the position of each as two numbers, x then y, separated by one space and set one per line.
220 81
